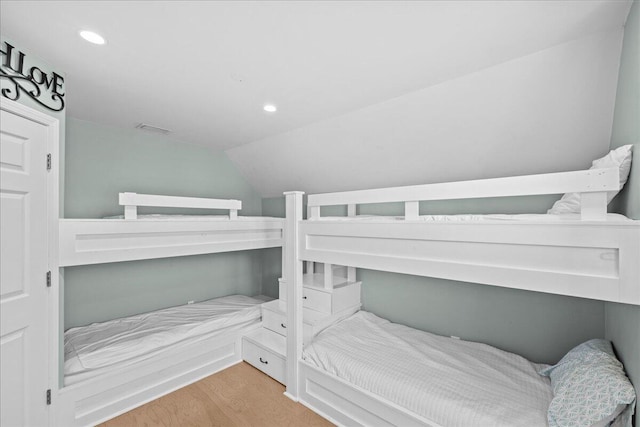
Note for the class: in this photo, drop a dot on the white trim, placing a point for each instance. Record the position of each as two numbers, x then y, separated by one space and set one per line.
53 189
596 260
101 398
293 279
345 404
584 182
95 241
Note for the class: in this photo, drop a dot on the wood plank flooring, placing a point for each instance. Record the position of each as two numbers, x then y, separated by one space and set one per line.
237 396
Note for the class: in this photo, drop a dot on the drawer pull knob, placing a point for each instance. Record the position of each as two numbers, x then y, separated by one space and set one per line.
304 297
264 361
283 325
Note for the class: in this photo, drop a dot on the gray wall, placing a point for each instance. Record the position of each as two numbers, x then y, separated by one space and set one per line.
622 322
102 161
541 327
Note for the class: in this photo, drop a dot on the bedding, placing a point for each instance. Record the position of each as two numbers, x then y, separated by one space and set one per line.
590 388
95 349
546 218
448 381
618 158
179 217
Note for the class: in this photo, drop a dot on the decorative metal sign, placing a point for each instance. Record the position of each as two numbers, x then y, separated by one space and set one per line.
44 88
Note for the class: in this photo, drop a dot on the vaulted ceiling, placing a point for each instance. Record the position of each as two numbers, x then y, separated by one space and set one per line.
205 69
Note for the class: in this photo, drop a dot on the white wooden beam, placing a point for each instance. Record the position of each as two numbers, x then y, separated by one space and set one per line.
313 212
411 210
328 276
130 212
135 199
593 206
593 180
293 278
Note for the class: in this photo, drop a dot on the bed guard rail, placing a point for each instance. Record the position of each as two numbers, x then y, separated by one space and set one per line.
592 185
131 201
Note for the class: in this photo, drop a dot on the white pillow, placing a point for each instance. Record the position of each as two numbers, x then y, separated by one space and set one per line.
620 158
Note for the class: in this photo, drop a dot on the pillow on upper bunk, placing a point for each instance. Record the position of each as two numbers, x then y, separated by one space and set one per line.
590 388
620 158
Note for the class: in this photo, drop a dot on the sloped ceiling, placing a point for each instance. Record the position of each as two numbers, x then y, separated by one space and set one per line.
369 93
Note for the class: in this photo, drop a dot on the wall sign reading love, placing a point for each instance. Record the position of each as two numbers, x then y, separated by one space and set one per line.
47 89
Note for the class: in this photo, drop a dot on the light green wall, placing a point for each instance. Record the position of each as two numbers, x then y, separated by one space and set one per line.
622 322
541 327
97 293
102 161
626 119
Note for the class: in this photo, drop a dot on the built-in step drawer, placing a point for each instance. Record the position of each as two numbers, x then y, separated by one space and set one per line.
334 300
266 351
274 319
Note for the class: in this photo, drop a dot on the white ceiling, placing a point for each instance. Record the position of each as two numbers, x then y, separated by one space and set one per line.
204 69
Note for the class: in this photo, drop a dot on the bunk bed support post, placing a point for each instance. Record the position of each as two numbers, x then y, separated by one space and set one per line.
593 206
411 210
313 212
328 276
351 271
293 278
130 212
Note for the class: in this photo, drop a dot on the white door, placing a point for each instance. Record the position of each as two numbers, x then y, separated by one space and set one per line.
24 341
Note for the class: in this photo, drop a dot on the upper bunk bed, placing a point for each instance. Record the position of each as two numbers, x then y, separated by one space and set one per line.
135 237
589 254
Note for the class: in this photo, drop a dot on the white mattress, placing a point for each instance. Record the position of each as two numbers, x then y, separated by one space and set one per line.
94 349
450 382
162 217
612 217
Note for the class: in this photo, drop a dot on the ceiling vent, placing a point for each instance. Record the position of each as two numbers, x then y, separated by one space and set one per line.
155 129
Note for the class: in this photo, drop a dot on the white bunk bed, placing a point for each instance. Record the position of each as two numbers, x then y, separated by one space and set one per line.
134 237
93 397
589 255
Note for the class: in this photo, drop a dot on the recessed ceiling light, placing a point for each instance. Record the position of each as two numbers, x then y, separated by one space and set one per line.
92 37
270 108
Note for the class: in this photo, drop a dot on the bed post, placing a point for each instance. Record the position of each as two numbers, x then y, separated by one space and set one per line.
293 280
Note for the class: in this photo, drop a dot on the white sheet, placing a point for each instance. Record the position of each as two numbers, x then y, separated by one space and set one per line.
612 217
93 349
451 382
162 217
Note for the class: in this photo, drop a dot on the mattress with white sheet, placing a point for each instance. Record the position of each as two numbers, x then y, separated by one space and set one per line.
450 382
95 349
561 218
181 217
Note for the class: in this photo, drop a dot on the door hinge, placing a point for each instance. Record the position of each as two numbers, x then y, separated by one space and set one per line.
49 161
49 397
48 279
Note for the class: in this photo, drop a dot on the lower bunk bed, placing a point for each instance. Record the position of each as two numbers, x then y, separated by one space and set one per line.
115 366
368 371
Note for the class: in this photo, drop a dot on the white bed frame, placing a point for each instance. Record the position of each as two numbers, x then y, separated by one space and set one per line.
95 241
589 258
98 399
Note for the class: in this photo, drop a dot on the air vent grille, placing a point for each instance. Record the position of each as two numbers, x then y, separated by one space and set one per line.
150 128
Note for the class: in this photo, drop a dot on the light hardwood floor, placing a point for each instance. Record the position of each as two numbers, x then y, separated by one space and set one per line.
237 396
